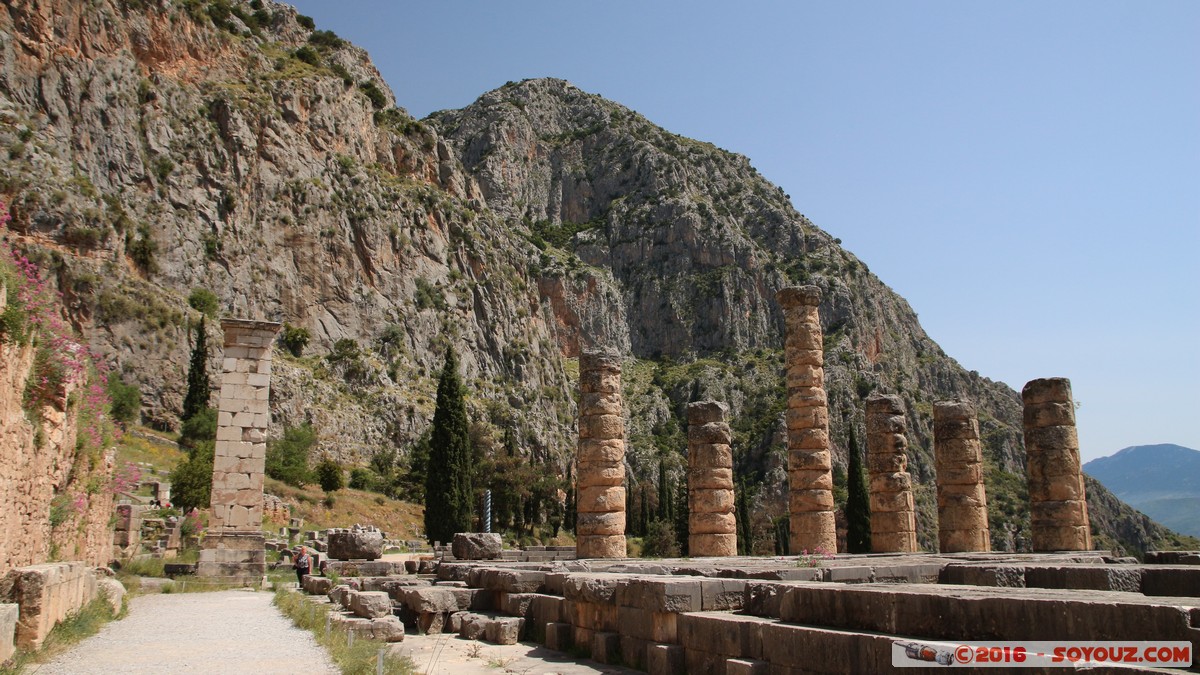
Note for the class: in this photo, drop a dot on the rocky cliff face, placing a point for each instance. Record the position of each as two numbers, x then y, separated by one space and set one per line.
155 147
55 500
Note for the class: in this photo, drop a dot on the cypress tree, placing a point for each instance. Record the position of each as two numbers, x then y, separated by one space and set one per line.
198 390
858 506
449 490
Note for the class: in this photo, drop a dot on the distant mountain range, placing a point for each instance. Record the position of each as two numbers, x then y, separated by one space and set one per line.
1162 481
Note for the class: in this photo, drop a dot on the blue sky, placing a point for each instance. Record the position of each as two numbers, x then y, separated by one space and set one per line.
1026 174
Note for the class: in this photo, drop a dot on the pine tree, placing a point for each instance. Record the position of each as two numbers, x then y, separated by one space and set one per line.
858 506
449 492
198 390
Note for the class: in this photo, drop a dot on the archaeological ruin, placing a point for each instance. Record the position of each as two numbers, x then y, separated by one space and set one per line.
1058 505
958 456
712 529
600 529
893 513
813 526
234 545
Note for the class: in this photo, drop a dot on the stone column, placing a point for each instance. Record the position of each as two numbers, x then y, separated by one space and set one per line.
600 524
962 501
1058 506
712 527
233 545
893 516
810 464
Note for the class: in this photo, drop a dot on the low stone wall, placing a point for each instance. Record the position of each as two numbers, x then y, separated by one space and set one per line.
743 616
46 594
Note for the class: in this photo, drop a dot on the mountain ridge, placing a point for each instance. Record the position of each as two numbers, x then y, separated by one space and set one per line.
205 145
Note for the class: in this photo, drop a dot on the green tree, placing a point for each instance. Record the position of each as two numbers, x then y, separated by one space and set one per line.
329 475
198 389
287 458
858 506
448 482
126 400
191 479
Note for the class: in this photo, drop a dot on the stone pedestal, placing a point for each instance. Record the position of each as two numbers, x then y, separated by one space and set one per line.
233 546
893 515
1058 505
962 501
712 527
810 463
600 524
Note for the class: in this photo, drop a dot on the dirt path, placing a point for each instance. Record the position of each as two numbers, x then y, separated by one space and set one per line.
223 632
449 655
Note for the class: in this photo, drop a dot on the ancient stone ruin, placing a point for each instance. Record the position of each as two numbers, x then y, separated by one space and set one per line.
234 544
1058 505
893 516
712 528
962 502
810 463
600 527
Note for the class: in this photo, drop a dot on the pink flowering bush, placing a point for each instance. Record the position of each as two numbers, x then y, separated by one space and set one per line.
65 370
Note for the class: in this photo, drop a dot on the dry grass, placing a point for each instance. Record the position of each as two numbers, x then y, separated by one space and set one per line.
400 520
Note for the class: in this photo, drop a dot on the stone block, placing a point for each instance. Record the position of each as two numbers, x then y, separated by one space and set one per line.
558 636
606 647
9 613
633 652
661 595
714 523
712 545
600 451
601 498
600 546
802 649
387 629
1126 578
711 479
666 660
430 600
371 604
355 545
722 594
727 635
477 546
1176 580
473 626
503 631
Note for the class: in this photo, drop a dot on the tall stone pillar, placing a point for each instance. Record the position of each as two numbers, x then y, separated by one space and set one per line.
962 501
712 527
893 515
233 545
600 513
1058 505
810 463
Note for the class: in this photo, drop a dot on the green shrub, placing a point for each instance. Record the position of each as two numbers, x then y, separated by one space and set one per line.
329 475
378 99
308 55
294 339
162 168
142 249
362 478
204 301
306 21
660 541
326 39
287 458
340 70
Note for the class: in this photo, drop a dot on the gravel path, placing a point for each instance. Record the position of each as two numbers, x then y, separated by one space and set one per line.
223 632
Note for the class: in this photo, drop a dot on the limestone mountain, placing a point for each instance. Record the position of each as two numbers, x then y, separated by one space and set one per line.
156 150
